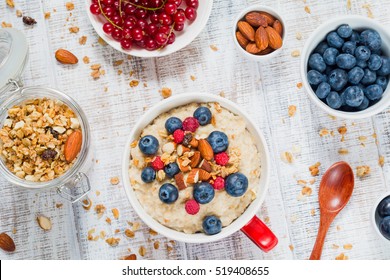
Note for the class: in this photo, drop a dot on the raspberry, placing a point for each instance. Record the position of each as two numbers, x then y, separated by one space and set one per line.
221 158
157 164
219 183
192 207
178 136
190 124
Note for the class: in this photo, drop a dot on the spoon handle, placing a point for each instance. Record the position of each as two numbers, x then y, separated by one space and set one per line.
325 220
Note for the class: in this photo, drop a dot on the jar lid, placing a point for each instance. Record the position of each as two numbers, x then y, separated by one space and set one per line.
13 55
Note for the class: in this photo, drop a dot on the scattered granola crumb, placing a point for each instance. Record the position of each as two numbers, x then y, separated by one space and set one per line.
313 212
59 205
69 6
287 157
298 36
114 180
129 233
332 117
312 181
134 83
105 89
381 161
97 193
108 220
166 92
362 171
115 213
291 110
307 9
96 71
342 130
349 4
87 204
118 62
152 232
74 29
314 171
112 241
295 53
369 11
338 227
19 13
362 138
299 85
136 226
347 246
302 182
102 234
214 47
341 257
156 245
131 257
324 132
307 191
86 59
100 209
120 72
14 230
6 24
291 247
10 3
193 78
142 251
335 246
83 40
102 42
343 151
117 231
47 15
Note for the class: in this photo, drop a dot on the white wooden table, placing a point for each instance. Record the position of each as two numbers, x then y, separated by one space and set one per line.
264 91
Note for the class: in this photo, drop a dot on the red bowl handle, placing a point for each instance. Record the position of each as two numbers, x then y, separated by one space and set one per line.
260 234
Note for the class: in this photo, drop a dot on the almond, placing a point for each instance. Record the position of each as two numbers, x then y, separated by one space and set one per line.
205 149
204 175
241 39
261 38
278 27
246 30
194 143
252 48
182 167
169 147
256 19
179 179
193 176
266 51
205 165
275 41
182 149
270 18
73 145
6 242
195 159
66 57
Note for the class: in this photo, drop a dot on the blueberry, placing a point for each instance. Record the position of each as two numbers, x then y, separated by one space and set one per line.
314 77
349 47
364 104
355 37
384 207
321 47
203 115
168 193
328 70
338 79
355 75
212 225
148 145
361 63
344 31
236 184
148 175
362 53
369 77
334 40
374 62
203 192
219 141
371 39
353 96
385 68
171 169
323 90
384 227
373 92
345 61
378 52
334 100
330 56
382 81
316 62
172 124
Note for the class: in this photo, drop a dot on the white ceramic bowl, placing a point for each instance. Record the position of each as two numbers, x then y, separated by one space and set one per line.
167 105
356 22
375 217
244 53
183 38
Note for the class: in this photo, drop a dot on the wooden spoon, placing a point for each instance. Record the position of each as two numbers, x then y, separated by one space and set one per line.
335 190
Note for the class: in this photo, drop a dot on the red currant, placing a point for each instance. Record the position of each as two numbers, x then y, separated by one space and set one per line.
137 34
117 20
141 14
171 38
176 2
129 22
155 3
95 9
165 29
126 34
150 44
178 26
108 11
151 28
179 17
129 9
160 38
154 18
164 19
142 24
116 34
126 44
190 13
107 2
170 8
192 3
108 27
141 43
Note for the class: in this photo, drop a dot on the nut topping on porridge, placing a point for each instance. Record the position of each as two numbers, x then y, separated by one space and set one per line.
34 137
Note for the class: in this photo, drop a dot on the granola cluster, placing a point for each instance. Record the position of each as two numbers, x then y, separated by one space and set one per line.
33 137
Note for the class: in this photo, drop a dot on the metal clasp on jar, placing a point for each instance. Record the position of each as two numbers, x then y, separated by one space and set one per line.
76 189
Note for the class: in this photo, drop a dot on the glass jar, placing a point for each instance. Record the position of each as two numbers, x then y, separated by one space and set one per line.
74 184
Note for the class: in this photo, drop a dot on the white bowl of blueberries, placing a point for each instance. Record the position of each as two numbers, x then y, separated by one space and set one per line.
381 217
345 67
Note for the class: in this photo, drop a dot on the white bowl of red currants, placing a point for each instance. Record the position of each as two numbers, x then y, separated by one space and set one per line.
148 28
380 217
345 67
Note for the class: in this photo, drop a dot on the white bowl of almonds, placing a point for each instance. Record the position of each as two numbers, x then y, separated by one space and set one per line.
195 169
259 32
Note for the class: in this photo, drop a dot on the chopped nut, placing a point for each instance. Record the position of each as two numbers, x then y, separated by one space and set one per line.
69 6
131 257
341 257
44 222
343 151
291 110
362 171
114 180
129 233
193 78
86 59
100 209
6 24
342 130
112 241
306 191
19 13
287 157
47 15
74 29
10 3
134 83
108 220
83 40
295 53
142 251
214 47
324 132
115 212
347 246
314 170
381 161
307 9
166 92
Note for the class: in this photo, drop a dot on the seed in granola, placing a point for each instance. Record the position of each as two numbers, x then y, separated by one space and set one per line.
29 20
187 139
48 154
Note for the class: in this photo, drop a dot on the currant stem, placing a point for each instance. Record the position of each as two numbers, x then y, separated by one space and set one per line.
107 18
146 8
